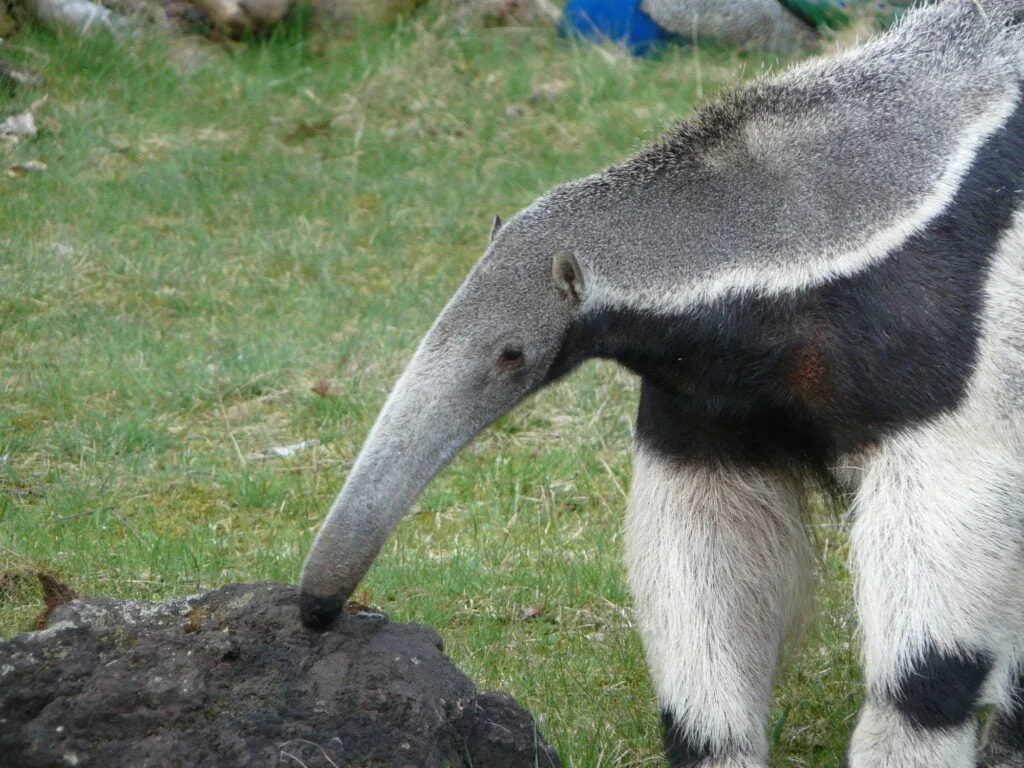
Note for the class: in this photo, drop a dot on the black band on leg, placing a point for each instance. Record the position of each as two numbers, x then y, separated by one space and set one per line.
681 750
941 690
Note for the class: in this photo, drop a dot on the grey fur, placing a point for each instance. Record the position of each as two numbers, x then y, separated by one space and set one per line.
786 184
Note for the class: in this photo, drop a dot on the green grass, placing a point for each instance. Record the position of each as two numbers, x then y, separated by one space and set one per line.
219 230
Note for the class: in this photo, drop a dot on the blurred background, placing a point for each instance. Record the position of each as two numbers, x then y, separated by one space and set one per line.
224 227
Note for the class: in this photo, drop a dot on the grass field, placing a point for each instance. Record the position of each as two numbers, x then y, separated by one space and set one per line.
220 232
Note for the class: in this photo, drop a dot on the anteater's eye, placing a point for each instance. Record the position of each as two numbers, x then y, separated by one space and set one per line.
510 358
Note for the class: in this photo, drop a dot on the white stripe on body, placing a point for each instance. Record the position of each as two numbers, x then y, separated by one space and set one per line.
807 270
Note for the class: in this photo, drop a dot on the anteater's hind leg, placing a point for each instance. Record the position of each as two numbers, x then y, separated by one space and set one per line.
938 549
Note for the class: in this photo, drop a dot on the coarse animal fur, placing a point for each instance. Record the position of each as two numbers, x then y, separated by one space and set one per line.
820 278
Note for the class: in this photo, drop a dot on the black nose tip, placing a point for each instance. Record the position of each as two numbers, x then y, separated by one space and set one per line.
318 612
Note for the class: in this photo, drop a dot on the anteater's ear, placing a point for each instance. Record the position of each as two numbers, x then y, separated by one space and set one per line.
495 227
567 276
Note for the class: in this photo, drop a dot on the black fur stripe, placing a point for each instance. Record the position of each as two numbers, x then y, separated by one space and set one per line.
682 428
681 751
941 691
827 370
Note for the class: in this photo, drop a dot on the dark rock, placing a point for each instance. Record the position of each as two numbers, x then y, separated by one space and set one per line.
232 678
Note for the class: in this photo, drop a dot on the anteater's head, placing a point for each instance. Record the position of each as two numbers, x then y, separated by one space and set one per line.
506 333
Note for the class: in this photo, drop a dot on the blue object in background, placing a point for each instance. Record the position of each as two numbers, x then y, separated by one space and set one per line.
619 21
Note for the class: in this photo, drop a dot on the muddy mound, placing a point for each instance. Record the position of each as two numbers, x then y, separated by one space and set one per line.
231 678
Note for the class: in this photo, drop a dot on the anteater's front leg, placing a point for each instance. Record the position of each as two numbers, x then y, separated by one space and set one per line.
717 562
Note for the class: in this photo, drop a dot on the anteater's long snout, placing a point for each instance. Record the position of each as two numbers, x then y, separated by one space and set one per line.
422 425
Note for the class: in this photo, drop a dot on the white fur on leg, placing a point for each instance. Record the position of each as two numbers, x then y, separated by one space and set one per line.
936 549
718 564
884 739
